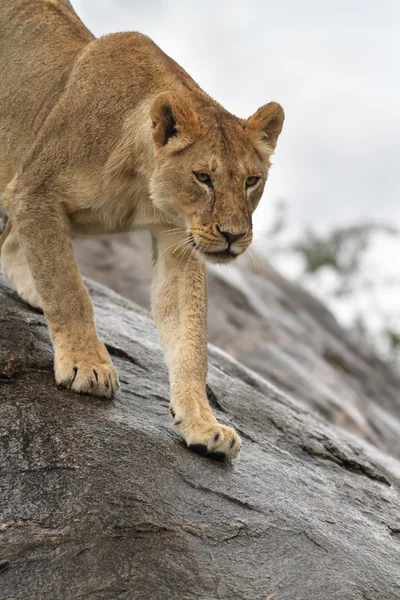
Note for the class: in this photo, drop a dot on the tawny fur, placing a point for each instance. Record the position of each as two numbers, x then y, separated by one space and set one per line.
111 135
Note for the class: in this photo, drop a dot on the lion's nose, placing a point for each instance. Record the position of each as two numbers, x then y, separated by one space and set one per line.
230 236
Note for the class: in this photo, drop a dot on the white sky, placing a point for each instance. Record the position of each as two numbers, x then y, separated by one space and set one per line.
334 66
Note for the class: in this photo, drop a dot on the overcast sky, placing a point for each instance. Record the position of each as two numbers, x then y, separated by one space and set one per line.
334 67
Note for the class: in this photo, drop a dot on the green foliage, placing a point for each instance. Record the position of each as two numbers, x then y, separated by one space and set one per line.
342 251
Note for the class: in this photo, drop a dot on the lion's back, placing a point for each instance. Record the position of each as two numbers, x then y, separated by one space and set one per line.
39 41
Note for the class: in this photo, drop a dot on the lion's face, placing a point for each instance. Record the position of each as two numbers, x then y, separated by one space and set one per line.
211 168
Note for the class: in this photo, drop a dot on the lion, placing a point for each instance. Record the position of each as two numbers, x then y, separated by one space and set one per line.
111 135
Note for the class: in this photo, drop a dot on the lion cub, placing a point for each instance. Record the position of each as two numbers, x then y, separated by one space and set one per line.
111 135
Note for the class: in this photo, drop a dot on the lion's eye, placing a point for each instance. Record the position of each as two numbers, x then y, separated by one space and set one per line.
203 177
251 181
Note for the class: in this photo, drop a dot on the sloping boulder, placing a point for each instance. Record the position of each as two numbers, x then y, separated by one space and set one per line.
100 500
278 330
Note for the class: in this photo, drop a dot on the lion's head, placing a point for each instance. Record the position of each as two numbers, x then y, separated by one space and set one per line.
211 168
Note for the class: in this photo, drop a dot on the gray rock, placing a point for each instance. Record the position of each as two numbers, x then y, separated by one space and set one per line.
100 500
276 329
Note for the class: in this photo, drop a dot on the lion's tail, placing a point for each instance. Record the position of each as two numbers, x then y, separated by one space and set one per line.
5 233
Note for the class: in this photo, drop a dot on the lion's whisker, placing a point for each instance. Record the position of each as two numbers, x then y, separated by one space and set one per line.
177 244
185 249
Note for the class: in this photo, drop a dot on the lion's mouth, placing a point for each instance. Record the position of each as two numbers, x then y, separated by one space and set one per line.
221 253
218 255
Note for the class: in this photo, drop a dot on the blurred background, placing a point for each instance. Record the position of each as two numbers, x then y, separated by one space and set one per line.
330 216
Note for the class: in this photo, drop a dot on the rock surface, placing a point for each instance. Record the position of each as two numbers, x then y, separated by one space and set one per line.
99 500
276 329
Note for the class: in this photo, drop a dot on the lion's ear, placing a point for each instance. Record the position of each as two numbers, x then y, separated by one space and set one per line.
266 124
174 121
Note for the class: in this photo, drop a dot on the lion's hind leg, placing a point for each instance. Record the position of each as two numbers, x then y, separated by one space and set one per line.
15 267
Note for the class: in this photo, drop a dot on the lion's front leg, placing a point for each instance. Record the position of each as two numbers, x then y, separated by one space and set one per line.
81 360
180 312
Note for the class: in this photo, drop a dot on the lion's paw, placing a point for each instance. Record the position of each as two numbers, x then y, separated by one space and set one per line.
89 371
208 437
